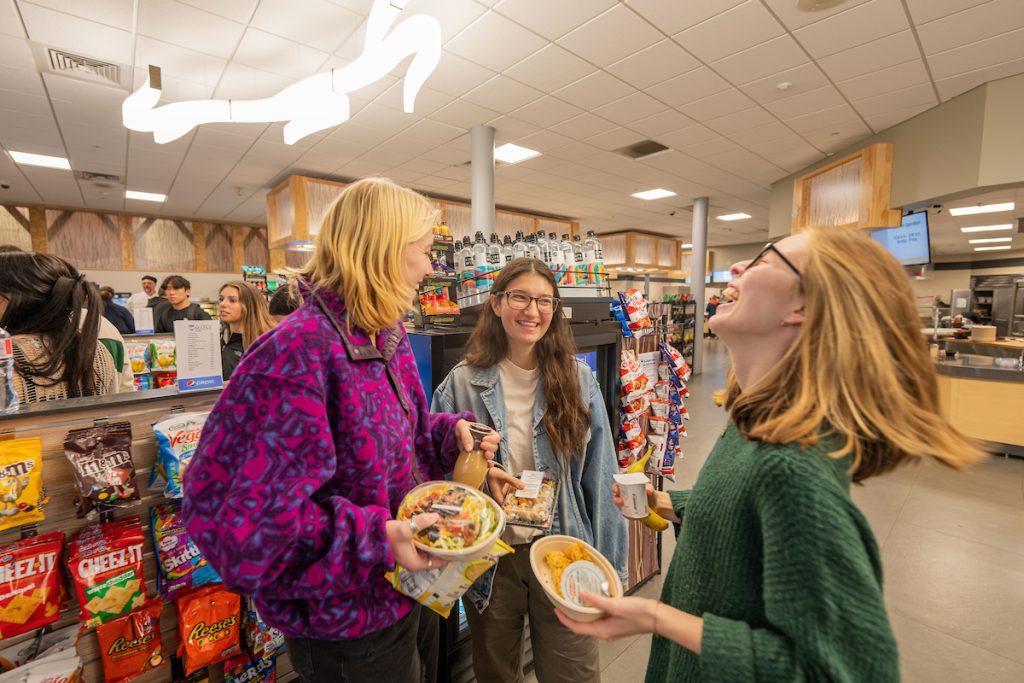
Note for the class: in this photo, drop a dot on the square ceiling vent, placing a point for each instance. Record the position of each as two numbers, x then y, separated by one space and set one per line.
51 60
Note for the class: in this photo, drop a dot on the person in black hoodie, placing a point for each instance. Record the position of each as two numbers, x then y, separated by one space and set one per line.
245 316
119 316
178 307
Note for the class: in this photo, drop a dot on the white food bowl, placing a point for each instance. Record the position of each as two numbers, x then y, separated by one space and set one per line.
547 544
483 544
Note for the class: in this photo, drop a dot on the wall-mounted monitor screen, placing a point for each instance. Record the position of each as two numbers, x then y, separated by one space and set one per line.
909 243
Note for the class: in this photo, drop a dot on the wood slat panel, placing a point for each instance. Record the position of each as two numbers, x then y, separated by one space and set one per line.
237 248
218 247
124 223
15 228
87 240
162 244
37 226
199 245
320 195
255 247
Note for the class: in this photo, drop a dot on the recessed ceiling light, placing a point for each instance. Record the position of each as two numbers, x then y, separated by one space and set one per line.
657 193
991 239
993 248
686 246
987 228
734 217
981 208
41 160
144 196
513 154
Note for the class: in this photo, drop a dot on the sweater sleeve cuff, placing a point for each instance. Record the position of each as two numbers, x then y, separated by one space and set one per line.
726 651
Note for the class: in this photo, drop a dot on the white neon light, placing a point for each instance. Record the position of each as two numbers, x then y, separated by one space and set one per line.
312 104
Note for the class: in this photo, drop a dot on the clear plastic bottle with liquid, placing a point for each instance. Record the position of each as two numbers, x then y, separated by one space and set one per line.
531 246
519 246
579 273
593 258
543 247
570 260
480 270
8 398
494 260
468 273
507 251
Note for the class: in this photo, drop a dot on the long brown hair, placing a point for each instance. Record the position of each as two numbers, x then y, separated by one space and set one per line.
566 418
255 311
859 367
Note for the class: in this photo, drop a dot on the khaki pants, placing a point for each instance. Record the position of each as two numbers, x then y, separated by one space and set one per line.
559 655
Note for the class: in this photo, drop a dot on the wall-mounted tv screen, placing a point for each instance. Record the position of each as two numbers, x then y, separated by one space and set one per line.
909 243
721 276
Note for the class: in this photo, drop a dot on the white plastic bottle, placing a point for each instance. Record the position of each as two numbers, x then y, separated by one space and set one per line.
543 247
519 246
468 267
494 260
8 399
570 260
593 246
531 246
507 252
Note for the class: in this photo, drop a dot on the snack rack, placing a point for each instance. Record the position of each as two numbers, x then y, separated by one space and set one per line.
152 358
438 294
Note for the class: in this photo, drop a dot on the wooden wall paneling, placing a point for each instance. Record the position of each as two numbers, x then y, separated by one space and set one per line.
644 249
553 225
255 250
278 260
667 253
459 219
218 247
163 244
281 213
37 226
614 248
237 248
300 209
124 224
86 240
199 245
510 222
15 228
320 195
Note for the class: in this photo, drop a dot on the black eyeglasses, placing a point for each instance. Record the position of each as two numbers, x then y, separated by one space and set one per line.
521 301
771 247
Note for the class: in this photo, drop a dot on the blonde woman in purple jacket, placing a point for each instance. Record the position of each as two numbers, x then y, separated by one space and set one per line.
321 432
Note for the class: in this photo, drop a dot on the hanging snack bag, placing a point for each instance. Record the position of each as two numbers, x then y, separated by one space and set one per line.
107 570
101 458
177 437
264 641
245 669
30 584
636 310
130 645
660 407
636 408
210 626
657 425
21 468
180 562
620 314
60 667
677 364
42 645
162 355
136 352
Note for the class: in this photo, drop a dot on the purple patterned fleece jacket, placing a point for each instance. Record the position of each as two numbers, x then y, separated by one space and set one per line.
304 458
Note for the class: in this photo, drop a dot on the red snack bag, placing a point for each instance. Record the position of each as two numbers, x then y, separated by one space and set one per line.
30 584
108 571
209 622
130 645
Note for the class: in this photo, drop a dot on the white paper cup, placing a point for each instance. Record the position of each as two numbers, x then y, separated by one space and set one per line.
633 490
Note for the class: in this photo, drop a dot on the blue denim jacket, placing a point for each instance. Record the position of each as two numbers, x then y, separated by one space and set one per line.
585 509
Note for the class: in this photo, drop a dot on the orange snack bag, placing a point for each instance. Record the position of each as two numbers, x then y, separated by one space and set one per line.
209 623
130 645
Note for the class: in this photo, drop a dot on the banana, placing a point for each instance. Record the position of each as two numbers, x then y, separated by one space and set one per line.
654 521
640 464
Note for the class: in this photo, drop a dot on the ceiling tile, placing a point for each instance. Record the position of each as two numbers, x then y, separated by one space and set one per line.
614 139
716 145
595 90
16 53
547 112
179 63
240 81
924 11
546 141
10 22
549 68
502 94
189 27
980 22
583 126
80 36
778 54
456 76
689 87
510 129
832 116
610 37
871 57
662 122
277 55
801 79
855 26
319 24
961 83
768 132
806 103
691 135
654 64
463 114
917 94
741 120
115 13
885 80
790 14
978 55
673 17
552 19
630 108
722 104
453 16
884 120
737 29
235 10
477 42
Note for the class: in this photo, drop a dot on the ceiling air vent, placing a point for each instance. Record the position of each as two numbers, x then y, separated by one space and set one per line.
50 60
642 149
103 180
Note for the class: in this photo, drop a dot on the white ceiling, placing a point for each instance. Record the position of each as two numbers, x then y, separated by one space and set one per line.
573 79
947 238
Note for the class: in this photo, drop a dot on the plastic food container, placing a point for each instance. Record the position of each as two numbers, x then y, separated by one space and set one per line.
470 521
537 512
542 546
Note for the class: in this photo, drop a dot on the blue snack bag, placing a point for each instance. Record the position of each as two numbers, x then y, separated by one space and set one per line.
180 562
177 437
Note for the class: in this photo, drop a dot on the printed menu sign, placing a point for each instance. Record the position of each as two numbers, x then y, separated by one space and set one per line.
198 354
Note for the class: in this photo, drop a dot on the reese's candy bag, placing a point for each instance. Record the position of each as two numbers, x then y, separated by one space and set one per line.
130 645
107 569
30 584
209 622
180 562
21 467
101 458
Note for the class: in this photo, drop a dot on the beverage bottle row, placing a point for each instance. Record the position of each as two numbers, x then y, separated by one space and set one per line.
573 262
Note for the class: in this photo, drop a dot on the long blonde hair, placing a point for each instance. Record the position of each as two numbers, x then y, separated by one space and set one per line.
859 368
255 311
360 250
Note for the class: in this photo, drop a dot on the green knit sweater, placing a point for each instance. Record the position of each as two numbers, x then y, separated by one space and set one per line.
783 568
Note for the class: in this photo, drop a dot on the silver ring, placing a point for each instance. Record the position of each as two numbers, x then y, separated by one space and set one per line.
430 563
413 526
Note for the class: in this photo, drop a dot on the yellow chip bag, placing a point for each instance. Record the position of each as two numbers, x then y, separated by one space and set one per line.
21 482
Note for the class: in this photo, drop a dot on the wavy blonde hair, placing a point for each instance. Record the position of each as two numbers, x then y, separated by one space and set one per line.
360 250
255 311
859 368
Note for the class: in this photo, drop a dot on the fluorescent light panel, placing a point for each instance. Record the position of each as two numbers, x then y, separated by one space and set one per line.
145 196
988 228
40 160
513 154
686 246
734 217
657 193
991 239
992 248
981 208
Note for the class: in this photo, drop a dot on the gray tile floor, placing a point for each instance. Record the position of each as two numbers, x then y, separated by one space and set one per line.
953 548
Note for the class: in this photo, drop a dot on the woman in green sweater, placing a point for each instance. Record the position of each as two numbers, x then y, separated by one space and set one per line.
776 574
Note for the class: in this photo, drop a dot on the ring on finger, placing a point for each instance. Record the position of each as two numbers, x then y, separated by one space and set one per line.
414 526
430 563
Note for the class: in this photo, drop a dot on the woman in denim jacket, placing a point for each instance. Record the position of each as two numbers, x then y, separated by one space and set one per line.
521 377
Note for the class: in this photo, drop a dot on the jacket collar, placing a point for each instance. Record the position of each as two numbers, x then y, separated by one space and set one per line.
355 340
487 379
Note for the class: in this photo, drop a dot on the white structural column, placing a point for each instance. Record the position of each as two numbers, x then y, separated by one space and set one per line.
698 266
482 191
